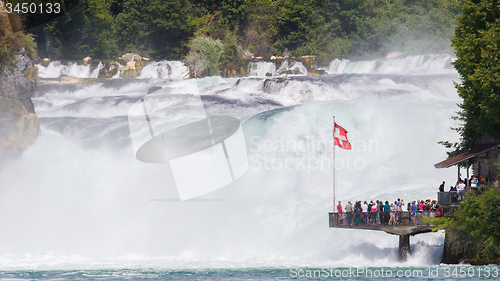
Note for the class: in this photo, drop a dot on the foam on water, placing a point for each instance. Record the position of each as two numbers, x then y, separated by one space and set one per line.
153 69
88 203
261 69
419 64
165 69
265 68
55 69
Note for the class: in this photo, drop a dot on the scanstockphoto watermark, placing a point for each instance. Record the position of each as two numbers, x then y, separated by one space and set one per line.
306 154
455 272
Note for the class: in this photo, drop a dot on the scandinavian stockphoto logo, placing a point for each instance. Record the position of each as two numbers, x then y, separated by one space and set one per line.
169 125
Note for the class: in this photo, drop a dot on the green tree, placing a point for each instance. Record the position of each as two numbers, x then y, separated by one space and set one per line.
84 31
477 222
204 57
232 56
477 46
156 28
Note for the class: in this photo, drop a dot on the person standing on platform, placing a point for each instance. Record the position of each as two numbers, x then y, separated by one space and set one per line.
348 213
357 212
374 213
461 190
392 211
365 212
441 187
399 214
387 208
408 208
420 205
340 213
380 207
413 211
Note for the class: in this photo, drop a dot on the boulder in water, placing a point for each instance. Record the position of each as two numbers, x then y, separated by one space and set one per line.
45 62
131 57
394 55
131 64
132 69
86 60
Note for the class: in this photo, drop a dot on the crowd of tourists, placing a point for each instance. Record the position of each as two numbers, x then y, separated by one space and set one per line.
385 213
382 213
474 184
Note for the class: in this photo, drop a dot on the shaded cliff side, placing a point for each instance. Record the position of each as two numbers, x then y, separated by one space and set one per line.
19 124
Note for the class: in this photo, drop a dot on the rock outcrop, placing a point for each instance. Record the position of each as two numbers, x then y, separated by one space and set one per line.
485 165
133 65
456 250
19 83
19 123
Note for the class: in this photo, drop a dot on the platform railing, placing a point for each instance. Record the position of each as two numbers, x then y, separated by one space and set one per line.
448 198
341 220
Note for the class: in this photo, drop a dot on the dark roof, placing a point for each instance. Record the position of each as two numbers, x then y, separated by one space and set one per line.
473 152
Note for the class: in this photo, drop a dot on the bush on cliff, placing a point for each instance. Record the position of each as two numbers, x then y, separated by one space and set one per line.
232 57
204 57
11 43
477 221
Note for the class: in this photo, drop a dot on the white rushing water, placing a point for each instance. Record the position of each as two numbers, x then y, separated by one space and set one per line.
165 69
419 64
265 68
56 69
153 69
78 198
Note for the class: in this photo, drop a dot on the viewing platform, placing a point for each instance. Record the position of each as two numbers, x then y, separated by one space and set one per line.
405 229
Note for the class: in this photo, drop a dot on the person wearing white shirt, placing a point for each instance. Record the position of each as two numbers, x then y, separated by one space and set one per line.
461 190
365 212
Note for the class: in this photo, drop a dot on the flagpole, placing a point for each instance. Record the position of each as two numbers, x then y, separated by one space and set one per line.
334 209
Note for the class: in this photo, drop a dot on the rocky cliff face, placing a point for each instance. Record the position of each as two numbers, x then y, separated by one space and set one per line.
456 249
485 164
18 122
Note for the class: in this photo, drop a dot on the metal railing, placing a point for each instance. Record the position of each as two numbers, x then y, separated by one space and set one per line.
380 218
448 198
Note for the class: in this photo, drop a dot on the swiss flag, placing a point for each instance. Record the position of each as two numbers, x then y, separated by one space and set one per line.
340 137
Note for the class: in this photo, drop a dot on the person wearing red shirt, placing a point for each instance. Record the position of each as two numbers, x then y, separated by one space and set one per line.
341 213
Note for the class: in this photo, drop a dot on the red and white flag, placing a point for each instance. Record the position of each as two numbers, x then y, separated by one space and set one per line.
340 137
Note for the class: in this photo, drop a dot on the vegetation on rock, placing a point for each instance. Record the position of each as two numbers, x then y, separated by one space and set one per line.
12 42
204 58
477 46
476 222
163 29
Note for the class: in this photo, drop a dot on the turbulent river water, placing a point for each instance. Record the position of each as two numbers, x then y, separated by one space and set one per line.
78 204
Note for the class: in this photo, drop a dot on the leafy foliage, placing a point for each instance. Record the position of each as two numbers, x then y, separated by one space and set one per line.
204 58
364 27
164 29
477 46
83 32
12 43
477 219
155 28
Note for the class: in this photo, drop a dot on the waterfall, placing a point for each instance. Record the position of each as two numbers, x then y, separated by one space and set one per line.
78 195
56 69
